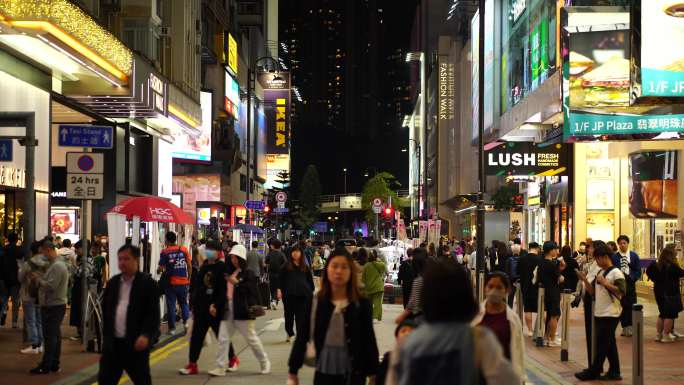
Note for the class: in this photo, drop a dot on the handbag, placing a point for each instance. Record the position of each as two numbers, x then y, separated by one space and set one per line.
310 355
256 311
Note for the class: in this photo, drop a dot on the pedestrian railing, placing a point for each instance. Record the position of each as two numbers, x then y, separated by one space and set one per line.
518 301
638 344
540 325
566 299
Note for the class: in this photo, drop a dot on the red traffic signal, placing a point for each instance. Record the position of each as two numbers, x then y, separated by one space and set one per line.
388 211
267 209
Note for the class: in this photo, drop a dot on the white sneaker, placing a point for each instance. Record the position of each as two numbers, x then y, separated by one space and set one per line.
266 367
30 350
668 338
659 337
678 335
218 372
528 333
554 344
40 349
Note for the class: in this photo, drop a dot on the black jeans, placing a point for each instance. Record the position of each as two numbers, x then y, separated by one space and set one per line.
326 379
406 291
295 312
274 282
627 301
52 317
118 355
588 315
606 346
200 327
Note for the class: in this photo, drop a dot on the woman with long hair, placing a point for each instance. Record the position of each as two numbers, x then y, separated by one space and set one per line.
341 329
665 274
373 278
414 307
296 289
446 349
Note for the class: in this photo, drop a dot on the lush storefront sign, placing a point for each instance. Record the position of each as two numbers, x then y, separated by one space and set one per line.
525 158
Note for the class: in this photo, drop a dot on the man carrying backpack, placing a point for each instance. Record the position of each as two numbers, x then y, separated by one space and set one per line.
608 289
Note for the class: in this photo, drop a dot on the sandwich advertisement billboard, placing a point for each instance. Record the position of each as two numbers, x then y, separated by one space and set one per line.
596 80
661 55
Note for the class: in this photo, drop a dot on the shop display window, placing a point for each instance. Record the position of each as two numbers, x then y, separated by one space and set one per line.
528 50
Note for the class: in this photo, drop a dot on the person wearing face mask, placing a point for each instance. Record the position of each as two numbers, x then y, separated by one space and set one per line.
208 299
502 320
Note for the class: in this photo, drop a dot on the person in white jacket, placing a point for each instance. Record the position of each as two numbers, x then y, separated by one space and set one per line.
496 315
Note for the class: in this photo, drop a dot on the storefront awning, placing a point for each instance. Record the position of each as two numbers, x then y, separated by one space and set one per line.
62 37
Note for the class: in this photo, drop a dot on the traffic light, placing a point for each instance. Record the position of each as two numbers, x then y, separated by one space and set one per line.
389 211
267 209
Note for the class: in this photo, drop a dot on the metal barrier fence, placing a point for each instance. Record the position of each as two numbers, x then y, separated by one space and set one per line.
638 344
540 325
566 299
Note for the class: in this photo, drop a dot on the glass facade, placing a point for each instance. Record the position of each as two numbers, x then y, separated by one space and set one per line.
529 47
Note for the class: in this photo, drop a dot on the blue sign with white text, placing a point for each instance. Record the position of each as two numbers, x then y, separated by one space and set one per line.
255 205
5 150
281 210
86 136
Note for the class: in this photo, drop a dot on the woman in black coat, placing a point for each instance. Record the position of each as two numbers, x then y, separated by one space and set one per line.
343 336
665 274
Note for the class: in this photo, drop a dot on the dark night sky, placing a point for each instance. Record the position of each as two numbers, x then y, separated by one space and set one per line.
351 121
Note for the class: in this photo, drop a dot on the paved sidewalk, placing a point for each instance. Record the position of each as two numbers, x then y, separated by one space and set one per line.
76 363
663 363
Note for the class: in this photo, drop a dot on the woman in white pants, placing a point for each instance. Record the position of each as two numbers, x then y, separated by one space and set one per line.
242 293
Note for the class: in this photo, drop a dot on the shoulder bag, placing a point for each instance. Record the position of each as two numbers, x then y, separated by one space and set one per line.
310 355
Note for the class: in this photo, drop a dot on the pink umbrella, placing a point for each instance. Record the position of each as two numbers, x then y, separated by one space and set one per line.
152 209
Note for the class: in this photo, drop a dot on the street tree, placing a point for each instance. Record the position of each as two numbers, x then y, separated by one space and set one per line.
309 199
379 186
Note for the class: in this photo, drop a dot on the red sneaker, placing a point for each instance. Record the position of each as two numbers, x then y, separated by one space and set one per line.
233 364
189 369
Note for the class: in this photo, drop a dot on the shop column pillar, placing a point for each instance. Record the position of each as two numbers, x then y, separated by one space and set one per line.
26 120
680 201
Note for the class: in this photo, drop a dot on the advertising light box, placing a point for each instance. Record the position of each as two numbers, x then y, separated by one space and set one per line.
653 179
525 158
597 83
232 98
198 148
662 48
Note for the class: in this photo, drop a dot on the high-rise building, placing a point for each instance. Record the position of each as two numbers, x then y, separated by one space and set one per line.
346 59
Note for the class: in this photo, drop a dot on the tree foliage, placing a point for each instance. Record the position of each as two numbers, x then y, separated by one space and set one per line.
379 186
309 199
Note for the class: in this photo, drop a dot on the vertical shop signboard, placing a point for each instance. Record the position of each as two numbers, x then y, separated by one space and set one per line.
535 56
277 100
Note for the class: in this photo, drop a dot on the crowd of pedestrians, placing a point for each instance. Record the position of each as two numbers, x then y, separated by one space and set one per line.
331 297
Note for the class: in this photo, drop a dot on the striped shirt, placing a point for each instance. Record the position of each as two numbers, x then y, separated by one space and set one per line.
415 302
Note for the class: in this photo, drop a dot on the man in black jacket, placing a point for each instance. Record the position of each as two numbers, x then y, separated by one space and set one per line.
274 263
130 307
526 266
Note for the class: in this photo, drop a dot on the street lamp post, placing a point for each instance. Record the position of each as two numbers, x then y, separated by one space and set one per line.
251 84
345 180
480 147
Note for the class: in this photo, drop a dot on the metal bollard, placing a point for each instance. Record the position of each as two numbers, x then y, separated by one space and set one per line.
473 280
519 305
638 344
540 325
566 299
480 289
